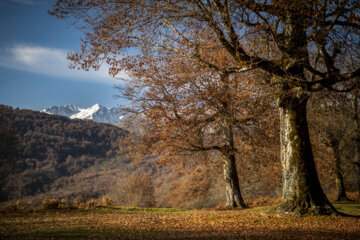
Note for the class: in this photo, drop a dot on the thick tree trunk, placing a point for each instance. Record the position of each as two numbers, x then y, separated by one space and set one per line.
339 180
357 139
302 192
232 186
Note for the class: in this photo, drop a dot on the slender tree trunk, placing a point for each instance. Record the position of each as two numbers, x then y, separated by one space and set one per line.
232 186
357 139
339 180
358 179
302 192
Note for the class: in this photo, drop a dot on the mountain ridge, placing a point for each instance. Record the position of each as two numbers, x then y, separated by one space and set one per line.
97 113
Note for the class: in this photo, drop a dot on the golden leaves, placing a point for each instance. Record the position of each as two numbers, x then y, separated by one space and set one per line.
141 223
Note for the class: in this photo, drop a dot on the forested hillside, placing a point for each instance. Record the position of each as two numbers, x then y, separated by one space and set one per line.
51 156
38 150
48 156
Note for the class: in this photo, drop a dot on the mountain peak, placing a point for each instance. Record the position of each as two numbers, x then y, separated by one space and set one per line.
97 113
66 110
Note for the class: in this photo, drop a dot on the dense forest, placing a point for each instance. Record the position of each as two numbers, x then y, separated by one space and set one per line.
39 151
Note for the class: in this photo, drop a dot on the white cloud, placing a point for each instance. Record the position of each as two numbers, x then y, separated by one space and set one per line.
51 62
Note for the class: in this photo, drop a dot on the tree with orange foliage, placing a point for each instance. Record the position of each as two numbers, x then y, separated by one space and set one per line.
299 43
190 108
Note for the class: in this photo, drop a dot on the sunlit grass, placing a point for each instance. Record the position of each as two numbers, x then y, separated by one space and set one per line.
348 208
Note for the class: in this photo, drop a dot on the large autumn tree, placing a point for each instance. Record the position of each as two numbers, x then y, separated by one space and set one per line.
299 44
190 109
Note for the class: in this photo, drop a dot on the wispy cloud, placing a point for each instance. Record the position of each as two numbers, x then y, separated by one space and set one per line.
49 61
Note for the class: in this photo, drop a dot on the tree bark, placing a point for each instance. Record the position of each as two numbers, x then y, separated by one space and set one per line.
357 139
339 180
358 180
232 186
302 192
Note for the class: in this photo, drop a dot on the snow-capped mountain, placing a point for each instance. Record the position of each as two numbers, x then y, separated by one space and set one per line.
97 113
66 110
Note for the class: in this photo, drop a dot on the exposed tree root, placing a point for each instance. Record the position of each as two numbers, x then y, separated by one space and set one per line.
300 208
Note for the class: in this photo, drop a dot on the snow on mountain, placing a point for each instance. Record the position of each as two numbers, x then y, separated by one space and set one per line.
66 110
97 113
86 113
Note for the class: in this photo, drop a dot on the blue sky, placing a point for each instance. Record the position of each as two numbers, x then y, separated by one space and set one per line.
34 71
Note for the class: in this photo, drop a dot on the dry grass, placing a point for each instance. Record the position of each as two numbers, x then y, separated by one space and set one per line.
57 204
263 201
13 207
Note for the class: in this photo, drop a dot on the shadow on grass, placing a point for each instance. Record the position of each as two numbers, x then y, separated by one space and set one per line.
239 233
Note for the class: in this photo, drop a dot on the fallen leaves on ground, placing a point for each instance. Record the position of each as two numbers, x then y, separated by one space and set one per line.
125 223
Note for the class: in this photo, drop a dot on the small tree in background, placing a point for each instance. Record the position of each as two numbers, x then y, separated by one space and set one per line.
137 189
331 120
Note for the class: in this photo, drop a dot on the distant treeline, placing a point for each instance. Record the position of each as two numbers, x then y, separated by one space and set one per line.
38 148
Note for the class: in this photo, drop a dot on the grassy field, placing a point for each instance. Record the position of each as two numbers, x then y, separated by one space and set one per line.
142 223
